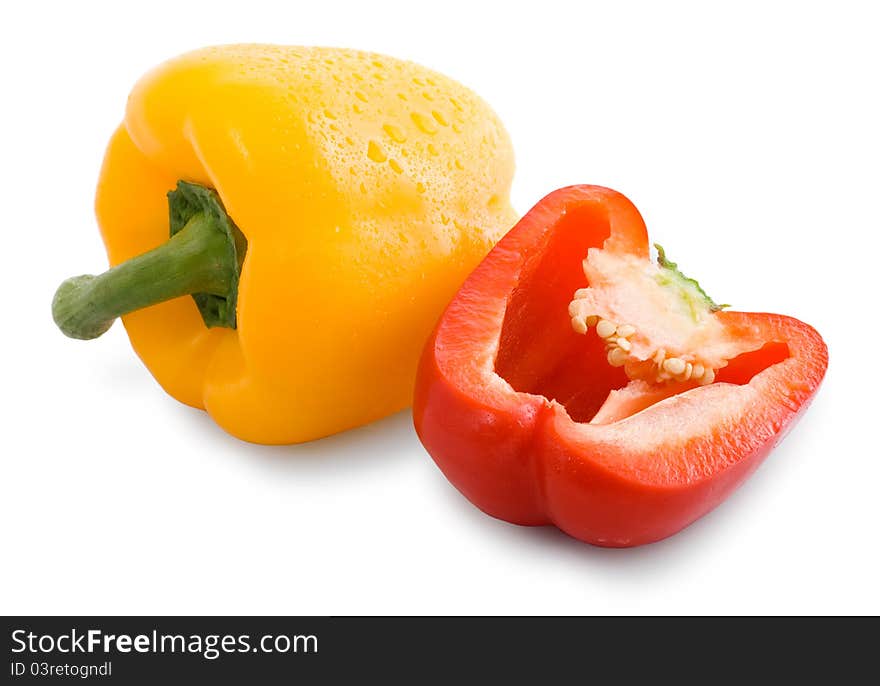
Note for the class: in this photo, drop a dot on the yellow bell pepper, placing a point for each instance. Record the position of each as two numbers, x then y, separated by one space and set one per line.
332 202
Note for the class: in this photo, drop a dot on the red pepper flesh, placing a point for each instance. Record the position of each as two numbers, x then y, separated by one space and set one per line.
506 391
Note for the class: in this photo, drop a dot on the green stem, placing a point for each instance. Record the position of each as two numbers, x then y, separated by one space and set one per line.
192 261
203 258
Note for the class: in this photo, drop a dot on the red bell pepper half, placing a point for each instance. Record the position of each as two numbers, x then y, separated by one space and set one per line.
573 381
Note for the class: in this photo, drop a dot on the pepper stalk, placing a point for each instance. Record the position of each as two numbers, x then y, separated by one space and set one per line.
202 258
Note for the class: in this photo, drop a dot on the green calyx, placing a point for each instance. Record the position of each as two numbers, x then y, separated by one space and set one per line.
202 258
690 288
190 200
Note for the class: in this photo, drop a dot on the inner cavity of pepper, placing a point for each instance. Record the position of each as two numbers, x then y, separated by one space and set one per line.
608 335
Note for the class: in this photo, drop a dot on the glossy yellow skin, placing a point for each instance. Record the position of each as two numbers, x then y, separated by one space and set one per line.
367 188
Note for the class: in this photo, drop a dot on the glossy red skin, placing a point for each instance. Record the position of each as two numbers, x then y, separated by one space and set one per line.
519 456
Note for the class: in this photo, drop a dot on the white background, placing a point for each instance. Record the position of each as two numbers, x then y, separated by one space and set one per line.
746 133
